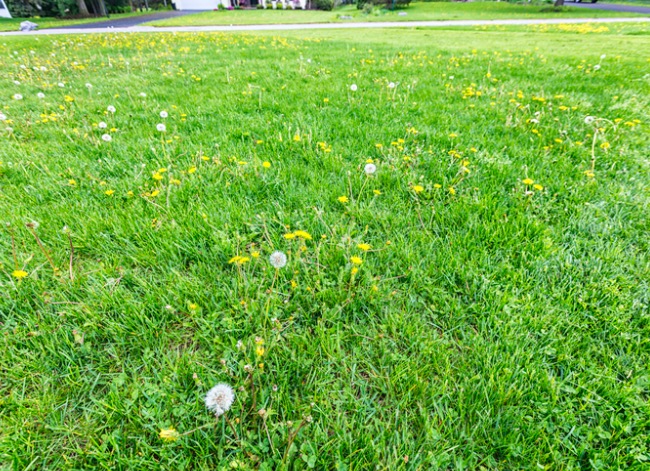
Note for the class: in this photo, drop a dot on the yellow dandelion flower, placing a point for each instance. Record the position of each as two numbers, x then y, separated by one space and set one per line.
527 181
538 187
290 236
303 235
259 350
266 164
452 190
376 192
343 199
157 176
71 182
354 270
19 274
418 188
169 434
356 260
437 185
109 192
191 170
296 138
364 247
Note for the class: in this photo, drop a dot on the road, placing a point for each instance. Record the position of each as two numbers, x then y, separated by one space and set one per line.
132 21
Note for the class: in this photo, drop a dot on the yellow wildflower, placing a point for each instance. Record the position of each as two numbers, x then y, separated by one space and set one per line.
343 199
266 164
364 247
418 188
169 434
527 181
19 274
356 260
303 235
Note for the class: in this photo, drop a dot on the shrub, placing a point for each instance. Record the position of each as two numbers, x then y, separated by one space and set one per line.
327 5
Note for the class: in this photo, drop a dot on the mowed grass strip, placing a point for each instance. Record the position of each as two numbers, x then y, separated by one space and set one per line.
418 11
479 300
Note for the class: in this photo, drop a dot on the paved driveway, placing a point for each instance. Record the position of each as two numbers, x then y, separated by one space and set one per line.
133 21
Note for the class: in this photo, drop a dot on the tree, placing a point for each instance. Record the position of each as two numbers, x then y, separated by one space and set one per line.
83 9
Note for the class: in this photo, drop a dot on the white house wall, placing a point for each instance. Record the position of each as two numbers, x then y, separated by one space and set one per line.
200 4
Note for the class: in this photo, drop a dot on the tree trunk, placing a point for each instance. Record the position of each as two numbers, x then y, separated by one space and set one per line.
83 9
559 3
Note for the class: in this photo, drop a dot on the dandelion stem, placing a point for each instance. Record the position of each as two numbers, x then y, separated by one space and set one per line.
71 257
40 244
292 437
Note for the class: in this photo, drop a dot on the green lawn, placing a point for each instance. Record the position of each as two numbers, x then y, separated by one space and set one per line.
12 24
479 301
416 12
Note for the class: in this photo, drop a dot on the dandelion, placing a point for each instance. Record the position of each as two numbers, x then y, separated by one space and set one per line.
418 188
266 164
343 199
19 274
278 259
143 94
364 247
163 114
102 125
597 67
109 192
169 434
353 87
219 399
603 56
111 109
391 85
61 85
89 86
40 95
107 138
161 127
18 96
303 235
3 117
589 119
527 181
538 187
356 260
370 169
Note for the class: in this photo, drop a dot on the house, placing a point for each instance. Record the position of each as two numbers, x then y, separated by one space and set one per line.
4 11
218 4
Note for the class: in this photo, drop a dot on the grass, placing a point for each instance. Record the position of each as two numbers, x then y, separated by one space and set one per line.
420 11
12 24
493 323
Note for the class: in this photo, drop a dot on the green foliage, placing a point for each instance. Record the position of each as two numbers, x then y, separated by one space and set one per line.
496 316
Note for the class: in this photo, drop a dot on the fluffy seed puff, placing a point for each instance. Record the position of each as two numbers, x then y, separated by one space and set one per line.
219 399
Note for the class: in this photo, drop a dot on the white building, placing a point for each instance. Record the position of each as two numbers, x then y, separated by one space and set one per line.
214 4
4 11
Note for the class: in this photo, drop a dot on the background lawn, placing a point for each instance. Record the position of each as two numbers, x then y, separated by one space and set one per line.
480 301
418 11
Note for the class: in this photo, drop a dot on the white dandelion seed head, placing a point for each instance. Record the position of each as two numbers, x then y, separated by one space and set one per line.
61 85
18 96
33 224
16 82
240 344
391 85
589 119
278 259
102 125
161 127
111 108
43 69
41 95
143 94
597 67
107 138
603 56
353 87
65 230
219 399
89 85
534 120
3 117
163 114
370 169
